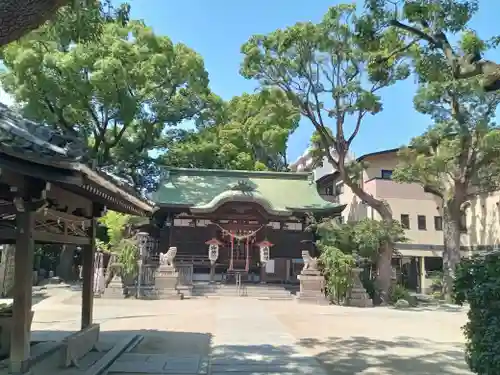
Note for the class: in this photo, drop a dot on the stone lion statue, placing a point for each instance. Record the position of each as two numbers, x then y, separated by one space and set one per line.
167 259
310 263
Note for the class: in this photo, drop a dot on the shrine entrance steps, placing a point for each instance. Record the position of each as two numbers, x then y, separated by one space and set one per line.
257 291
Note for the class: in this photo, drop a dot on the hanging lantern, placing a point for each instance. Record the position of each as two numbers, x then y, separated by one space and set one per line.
265 252
213 250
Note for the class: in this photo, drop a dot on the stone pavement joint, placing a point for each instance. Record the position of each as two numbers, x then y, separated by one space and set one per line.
130 363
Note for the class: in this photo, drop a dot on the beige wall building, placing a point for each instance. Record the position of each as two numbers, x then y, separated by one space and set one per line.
419 212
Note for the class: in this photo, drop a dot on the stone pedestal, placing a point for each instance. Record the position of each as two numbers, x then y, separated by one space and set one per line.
358 297
115 288
312 284
166 282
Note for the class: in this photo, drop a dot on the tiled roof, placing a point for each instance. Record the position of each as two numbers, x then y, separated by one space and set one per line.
43 144
23 136
203 188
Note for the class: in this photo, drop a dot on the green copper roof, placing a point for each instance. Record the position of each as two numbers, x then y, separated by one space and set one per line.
204 190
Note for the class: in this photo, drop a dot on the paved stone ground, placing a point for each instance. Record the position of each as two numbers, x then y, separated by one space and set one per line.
244 336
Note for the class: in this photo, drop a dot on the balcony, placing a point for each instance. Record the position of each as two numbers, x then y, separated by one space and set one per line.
385 189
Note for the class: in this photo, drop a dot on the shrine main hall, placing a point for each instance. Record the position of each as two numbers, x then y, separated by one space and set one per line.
239 214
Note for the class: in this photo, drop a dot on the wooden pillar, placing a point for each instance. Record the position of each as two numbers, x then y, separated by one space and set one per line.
23 274
88 276
263 273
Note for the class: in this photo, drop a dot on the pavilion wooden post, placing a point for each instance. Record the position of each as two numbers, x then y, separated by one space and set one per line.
23 274
88 257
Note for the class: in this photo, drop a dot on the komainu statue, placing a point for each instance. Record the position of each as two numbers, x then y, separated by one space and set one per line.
310 263
167 259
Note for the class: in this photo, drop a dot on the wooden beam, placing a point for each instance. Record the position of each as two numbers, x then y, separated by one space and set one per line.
54 215
44 172
8 235
12 208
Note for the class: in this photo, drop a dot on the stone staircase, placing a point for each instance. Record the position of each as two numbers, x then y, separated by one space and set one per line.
258 291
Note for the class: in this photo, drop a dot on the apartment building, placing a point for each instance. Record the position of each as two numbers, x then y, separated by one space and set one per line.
419 213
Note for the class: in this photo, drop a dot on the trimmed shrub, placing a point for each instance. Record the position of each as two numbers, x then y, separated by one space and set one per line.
477 283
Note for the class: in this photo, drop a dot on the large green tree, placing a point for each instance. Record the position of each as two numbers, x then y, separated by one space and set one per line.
326 71
431 23
459 155
248 132
118 90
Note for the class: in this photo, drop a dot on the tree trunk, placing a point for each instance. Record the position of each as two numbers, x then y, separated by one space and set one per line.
384 272
65 268
384 266
451 253
18 17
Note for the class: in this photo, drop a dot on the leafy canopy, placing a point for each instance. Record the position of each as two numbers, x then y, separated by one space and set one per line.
327 72
119 90
249 132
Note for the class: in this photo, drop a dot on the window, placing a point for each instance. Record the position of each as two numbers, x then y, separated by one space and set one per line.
386 174
275 225
339 188
183 222
422 225
405 221
438 223
293 226
202 223
463 223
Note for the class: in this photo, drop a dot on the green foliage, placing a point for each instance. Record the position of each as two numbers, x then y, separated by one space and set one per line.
120 242
369 235
119 90
399 292
325 71
363 238
249 132
337 268
342 245
477 283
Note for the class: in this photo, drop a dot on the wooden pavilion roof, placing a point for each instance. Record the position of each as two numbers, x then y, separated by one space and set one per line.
41 152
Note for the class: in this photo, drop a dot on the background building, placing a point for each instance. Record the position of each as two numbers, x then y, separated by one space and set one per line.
419 213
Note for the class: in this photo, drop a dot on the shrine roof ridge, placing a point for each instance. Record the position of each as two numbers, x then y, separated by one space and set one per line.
238 172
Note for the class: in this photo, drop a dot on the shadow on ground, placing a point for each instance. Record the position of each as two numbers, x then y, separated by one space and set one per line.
401 355
336 356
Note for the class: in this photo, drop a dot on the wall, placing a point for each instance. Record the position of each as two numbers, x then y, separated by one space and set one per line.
483 218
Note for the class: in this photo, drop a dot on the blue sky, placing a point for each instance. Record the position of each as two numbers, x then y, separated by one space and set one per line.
217 28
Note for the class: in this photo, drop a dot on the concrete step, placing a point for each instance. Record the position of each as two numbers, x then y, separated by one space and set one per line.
254 291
